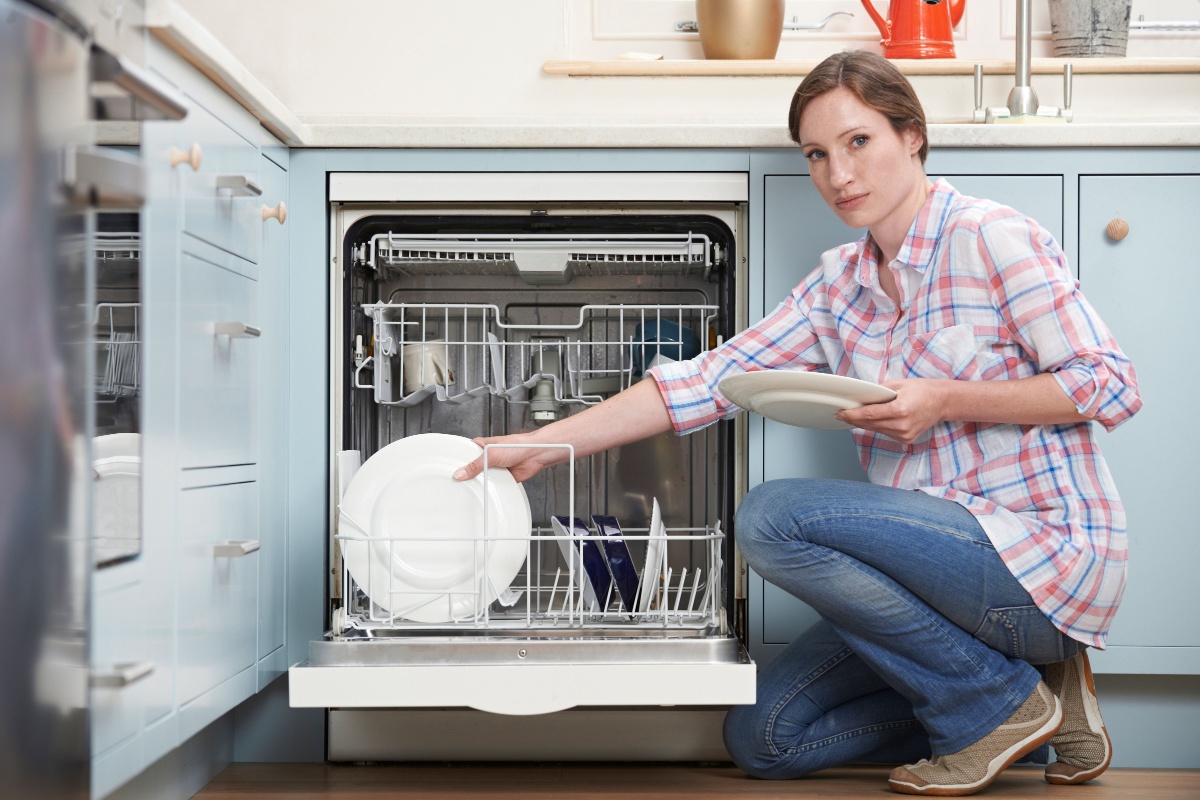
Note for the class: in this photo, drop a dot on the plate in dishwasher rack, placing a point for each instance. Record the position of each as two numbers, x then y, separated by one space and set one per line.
428 548
585 560
652 570
804 399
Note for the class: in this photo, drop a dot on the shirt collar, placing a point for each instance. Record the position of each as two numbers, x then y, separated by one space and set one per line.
921 241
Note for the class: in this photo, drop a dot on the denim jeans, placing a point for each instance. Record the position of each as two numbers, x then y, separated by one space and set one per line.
926 644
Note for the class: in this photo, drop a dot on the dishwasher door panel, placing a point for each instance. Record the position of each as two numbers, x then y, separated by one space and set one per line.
534 685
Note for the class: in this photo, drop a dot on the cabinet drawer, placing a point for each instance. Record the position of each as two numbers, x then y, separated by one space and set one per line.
218 365
220 205
218 585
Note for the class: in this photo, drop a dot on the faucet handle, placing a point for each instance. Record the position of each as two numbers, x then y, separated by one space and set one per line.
979 114
1068 81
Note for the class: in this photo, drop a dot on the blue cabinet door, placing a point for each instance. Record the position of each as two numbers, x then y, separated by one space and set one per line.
797 227
1145 287
273 405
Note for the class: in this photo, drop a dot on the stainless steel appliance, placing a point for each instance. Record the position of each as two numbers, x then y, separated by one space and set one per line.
45 405
67 205
541 295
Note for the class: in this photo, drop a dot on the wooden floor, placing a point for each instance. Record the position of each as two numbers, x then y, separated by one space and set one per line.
581 782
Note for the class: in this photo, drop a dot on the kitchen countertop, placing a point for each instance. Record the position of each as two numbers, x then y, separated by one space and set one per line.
701 132
735 127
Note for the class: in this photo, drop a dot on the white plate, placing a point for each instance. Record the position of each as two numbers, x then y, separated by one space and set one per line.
585 560
427 559
804 399
116 495
656 549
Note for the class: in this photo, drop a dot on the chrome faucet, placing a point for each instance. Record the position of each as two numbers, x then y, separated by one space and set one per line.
1023 100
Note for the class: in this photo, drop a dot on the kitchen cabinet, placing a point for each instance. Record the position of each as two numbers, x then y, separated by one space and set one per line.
1145 287
218 587
272 422
1141 286
198 619
222 186
219 348
283 481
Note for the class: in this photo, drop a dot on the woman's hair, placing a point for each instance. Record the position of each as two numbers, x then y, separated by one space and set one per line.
874 80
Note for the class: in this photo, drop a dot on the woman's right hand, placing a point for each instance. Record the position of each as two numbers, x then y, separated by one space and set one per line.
522 462
629 416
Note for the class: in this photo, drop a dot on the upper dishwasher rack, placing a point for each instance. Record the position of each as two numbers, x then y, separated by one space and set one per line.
541 258
454 352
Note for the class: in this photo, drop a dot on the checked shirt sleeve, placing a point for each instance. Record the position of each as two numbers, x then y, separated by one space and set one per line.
787 337
1044 309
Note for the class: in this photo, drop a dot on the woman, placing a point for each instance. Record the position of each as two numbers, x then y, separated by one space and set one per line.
990 539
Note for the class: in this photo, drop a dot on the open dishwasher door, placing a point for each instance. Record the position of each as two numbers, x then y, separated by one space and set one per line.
483 305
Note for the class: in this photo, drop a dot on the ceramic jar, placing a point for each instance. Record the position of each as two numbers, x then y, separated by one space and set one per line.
740 28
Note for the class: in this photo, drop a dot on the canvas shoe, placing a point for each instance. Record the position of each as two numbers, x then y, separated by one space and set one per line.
1082 745
976 766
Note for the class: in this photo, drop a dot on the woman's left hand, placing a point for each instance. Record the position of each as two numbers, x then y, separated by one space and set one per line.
918 406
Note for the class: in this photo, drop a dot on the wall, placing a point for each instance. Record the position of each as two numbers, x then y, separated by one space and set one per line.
482 59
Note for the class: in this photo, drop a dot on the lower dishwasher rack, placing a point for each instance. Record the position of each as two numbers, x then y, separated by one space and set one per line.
541 644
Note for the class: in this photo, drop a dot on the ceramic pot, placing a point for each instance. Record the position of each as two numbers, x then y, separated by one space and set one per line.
1089 28
740 28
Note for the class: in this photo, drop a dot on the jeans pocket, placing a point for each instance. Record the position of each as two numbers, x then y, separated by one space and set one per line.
1022 632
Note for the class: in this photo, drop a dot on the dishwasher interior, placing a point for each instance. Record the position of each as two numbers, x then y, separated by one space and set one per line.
486 319
530 318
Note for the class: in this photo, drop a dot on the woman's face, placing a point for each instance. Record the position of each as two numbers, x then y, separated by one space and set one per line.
869 174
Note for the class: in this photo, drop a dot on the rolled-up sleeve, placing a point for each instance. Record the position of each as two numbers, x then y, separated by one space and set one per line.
785 338
1051 319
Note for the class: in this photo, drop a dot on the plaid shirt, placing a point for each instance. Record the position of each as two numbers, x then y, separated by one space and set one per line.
986 295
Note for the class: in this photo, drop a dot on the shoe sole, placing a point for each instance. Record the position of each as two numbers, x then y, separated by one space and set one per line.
1044 734
1092 710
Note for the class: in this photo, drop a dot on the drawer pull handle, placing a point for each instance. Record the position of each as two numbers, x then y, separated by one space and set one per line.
279 212
99 177
146 97
1117 229
236 330
239 186
235 548
191 157
122 675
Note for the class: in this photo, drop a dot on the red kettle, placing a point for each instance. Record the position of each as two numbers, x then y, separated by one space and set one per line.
918 28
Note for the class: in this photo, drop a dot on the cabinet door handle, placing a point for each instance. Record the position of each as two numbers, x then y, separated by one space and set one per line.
1117 229
239 185
235 548
147 97
279 212
122 675
191 157
103 178
236 330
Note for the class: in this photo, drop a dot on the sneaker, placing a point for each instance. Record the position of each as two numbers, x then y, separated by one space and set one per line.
976 766
1082 746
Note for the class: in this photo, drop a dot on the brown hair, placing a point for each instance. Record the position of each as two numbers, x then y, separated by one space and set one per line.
874 80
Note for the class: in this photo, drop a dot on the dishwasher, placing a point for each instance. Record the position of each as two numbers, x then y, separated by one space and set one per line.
484 304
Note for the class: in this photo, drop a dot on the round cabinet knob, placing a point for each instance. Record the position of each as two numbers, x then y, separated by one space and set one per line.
191 157
1117 229
279 213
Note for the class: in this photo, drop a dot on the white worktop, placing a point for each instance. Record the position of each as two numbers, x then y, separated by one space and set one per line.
367 132
740 109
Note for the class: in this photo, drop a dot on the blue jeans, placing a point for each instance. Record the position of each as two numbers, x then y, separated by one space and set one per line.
927 642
